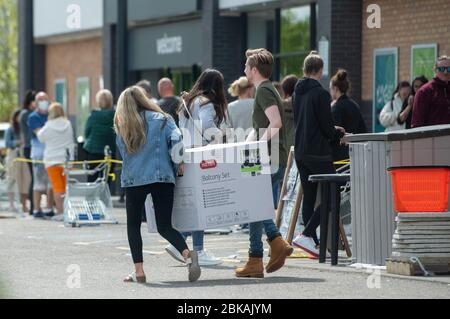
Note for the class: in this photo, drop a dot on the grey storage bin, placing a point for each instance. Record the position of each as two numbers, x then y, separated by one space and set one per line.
373 216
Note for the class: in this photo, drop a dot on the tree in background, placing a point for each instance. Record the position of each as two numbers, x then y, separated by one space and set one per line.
8 58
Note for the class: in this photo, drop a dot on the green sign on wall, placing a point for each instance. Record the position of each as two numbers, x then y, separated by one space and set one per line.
423 59
384 82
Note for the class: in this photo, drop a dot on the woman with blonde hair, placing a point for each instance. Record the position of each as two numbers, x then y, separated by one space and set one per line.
148 140
99 130
240 111
57 135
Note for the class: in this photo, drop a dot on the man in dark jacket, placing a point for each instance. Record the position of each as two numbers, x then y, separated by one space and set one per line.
432 101
314 133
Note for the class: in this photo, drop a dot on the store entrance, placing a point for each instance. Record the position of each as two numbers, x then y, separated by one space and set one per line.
183 78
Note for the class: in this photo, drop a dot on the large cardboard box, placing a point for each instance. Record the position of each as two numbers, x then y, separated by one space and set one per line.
223 185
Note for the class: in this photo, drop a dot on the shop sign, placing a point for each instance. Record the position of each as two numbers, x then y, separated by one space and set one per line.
169 45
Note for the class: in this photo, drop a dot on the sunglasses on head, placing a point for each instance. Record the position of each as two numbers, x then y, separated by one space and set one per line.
443 68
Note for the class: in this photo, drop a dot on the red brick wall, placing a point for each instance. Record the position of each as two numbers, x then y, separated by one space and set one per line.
403 24
72 60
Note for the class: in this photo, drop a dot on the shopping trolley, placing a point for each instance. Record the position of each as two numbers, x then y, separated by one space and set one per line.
88 203
345 198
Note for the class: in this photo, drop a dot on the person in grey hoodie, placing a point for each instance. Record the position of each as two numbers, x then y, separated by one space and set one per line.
57 135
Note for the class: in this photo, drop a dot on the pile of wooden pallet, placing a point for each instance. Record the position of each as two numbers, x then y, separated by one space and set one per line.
422 236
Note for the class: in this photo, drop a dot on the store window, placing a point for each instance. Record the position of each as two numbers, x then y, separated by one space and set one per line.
289 33
261 29
183 78
182 81
61 94
83 106
295 39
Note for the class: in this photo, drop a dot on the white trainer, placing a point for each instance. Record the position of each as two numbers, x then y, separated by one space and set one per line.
307 244
172 251
205 259
58 218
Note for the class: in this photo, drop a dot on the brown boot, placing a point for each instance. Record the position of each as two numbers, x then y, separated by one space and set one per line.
279 250
253 269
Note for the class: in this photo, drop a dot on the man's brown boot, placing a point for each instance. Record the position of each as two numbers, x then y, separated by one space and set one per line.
279 251
253 269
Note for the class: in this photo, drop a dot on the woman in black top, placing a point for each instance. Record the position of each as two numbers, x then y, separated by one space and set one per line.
346 113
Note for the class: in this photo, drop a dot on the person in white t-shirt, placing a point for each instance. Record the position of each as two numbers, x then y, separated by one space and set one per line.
57 135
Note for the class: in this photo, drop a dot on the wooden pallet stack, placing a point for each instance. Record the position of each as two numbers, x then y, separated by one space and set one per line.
422 235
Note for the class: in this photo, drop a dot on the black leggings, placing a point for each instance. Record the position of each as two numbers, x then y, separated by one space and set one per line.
162 194
311 217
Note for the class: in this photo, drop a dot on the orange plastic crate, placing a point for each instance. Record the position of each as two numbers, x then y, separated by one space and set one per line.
420 189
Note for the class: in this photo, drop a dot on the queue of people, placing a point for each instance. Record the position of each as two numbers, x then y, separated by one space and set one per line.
39 140
422 103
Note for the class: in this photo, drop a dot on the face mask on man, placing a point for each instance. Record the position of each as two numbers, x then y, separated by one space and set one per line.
43 105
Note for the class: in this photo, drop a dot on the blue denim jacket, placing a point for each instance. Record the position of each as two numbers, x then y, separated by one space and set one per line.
10 139
153 163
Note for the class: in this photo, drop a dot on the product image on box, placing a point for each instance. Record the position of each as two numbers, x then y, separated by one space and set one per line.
252 163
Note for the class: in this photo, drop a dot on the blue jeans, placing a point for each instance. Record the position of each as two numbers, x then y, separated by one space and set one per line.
277 181
256 229
197 239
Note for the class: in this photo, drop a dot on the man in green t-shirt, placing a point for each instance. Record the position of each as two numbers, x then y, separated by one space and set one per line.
267 126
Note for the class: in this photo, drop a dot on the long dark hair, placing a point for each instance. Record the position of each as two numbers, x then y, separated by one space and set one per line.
422 79
15 121
210 84
401 85
28 99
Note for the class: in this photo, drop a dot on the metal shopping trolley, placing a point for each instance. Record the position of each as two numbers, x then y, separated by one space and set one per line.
88 203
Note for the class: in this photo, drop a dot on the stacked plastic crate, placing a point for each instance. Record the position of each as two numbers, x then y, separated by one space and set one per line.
421 243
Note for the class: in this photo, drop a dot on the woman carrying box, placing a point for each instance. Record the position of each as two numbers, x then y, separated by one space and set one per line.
147 139
201 114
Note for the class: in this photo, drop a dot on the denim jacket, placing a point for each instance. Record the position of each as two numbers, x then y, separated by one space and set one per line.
153 163
10 139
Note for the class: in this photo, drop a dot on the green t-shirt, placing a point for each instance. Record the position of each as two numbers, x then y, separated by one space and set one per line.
267 96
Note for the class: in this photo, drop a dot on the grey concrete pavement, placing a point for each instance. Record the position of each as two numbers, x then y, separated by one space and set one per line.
44 259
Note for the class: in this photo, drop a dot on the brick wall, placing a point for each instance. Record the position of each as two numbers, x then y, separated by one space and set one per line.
403 24
72 60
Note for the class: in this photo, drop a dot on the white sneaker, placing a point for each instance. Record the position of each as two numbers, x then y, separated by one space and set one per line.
172 251
58 218
205 259
307 244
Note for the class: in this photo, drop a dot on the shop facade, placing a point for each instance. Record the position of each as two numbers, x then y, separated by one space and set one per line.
179 39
